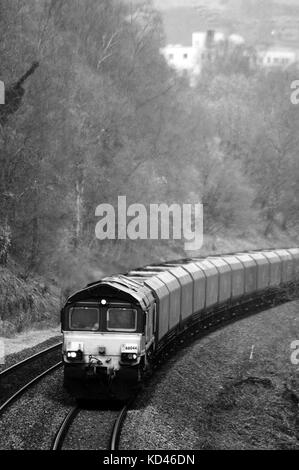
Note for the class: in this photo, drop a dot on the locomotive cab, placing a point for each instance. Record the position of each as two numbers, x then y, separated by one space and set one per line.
107 335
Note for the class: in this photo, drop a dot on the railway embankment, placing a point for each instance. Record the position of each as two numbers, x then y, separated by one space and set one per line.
234 389
26 303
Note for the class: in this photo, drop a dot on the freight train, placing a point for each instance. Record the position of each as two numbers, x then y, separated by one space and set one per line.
114 329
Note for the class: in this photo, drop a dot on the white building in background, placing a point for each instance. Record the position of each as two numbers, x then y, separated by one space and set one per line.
180 58
188 60
276 57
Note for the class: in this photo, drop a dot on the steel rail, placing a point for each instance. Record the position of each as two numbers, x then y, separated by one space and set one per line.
26 387
63 429
69 419
116 431
28 360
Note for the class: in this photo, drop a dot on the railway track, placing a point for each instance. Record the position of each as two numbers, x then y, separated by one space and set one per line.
225 317
18 378
109 423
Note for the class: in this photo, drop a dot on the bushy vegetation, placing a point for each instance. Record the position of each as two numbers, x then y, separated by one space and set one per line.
25 303
104 116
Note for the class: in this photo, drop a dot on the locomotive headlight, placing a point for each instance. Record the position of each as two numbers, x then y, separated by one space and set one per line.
74 351
128 357
129 352
71 355
74 355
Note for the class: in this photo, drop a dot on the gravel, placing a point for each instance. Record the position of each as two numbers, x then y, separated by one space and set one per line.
16 379
92 428
32 422
234 389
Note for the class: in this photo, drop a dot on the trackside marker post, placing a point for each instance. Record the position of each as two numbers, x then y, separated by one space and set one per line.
2 93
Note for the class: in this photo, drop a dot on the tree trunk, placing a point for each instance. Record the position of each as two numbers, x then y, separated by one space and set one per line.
79 207
34 245
5 240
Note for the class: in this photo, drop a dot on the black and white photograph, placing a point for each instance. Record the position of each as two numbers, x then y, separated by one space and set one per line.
149 230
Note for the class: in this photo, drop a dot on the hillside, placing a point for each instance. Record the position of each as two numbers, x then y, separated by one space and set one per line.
103 117
235 389
26 303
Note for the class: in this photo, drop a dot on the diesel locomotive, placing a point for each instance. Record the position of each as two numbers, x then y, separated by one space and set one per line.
114 328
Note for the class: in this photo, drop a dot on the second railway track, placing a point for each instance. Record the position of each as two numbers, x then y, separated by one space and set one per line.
99 428
18 378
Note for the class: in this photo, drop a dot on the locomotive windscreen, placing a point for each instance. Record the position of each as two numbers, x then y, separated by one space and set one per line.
121 319
84 318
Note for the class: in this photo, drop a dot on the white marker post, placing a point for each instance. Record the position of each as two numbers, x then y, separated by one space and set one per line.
251 353
2 93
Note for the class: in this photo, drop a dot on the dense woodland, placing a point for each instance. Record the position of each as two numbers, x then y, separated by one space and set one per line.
101 115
